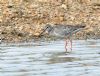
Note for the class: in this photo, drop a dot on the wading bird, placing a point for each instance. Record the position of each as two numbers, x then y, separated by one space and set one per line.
65 31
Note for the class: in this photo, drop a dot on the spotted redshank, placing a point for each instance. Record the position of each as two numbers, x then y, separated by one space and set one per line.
65 31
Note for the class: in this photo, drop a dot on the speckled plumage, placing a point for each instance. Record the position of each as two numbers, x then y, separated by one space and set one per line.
63 30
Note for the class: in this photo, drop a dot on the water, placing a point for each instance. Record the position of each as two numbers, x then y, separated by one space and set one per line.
50 59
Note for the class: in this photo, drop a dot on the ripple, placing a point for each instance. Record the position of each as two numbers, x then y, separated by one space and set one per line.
50 59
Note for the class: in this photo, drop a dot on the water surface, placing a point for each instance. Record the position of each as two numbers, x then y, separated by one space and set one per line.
50 59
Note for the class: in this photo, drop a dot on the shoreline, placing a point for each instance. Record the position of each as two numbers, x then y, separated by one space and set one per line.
44 39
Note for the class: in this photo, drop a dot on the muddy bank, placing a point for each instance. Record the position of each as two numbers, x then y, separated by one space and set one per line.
23 20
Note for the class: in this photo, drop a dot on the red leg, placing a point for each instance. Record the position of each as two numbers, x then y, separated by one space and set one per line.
66 45
71 44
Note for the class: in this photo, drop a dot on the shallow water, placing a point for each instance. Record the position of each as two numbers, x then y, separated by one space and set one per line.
50 59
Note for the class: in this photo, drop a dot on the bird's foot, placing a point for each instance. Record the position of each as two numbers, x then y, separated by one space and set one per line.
67 52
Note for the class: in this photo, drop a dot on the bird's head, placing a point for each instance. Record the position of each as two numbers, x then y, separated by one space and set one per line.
47 29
